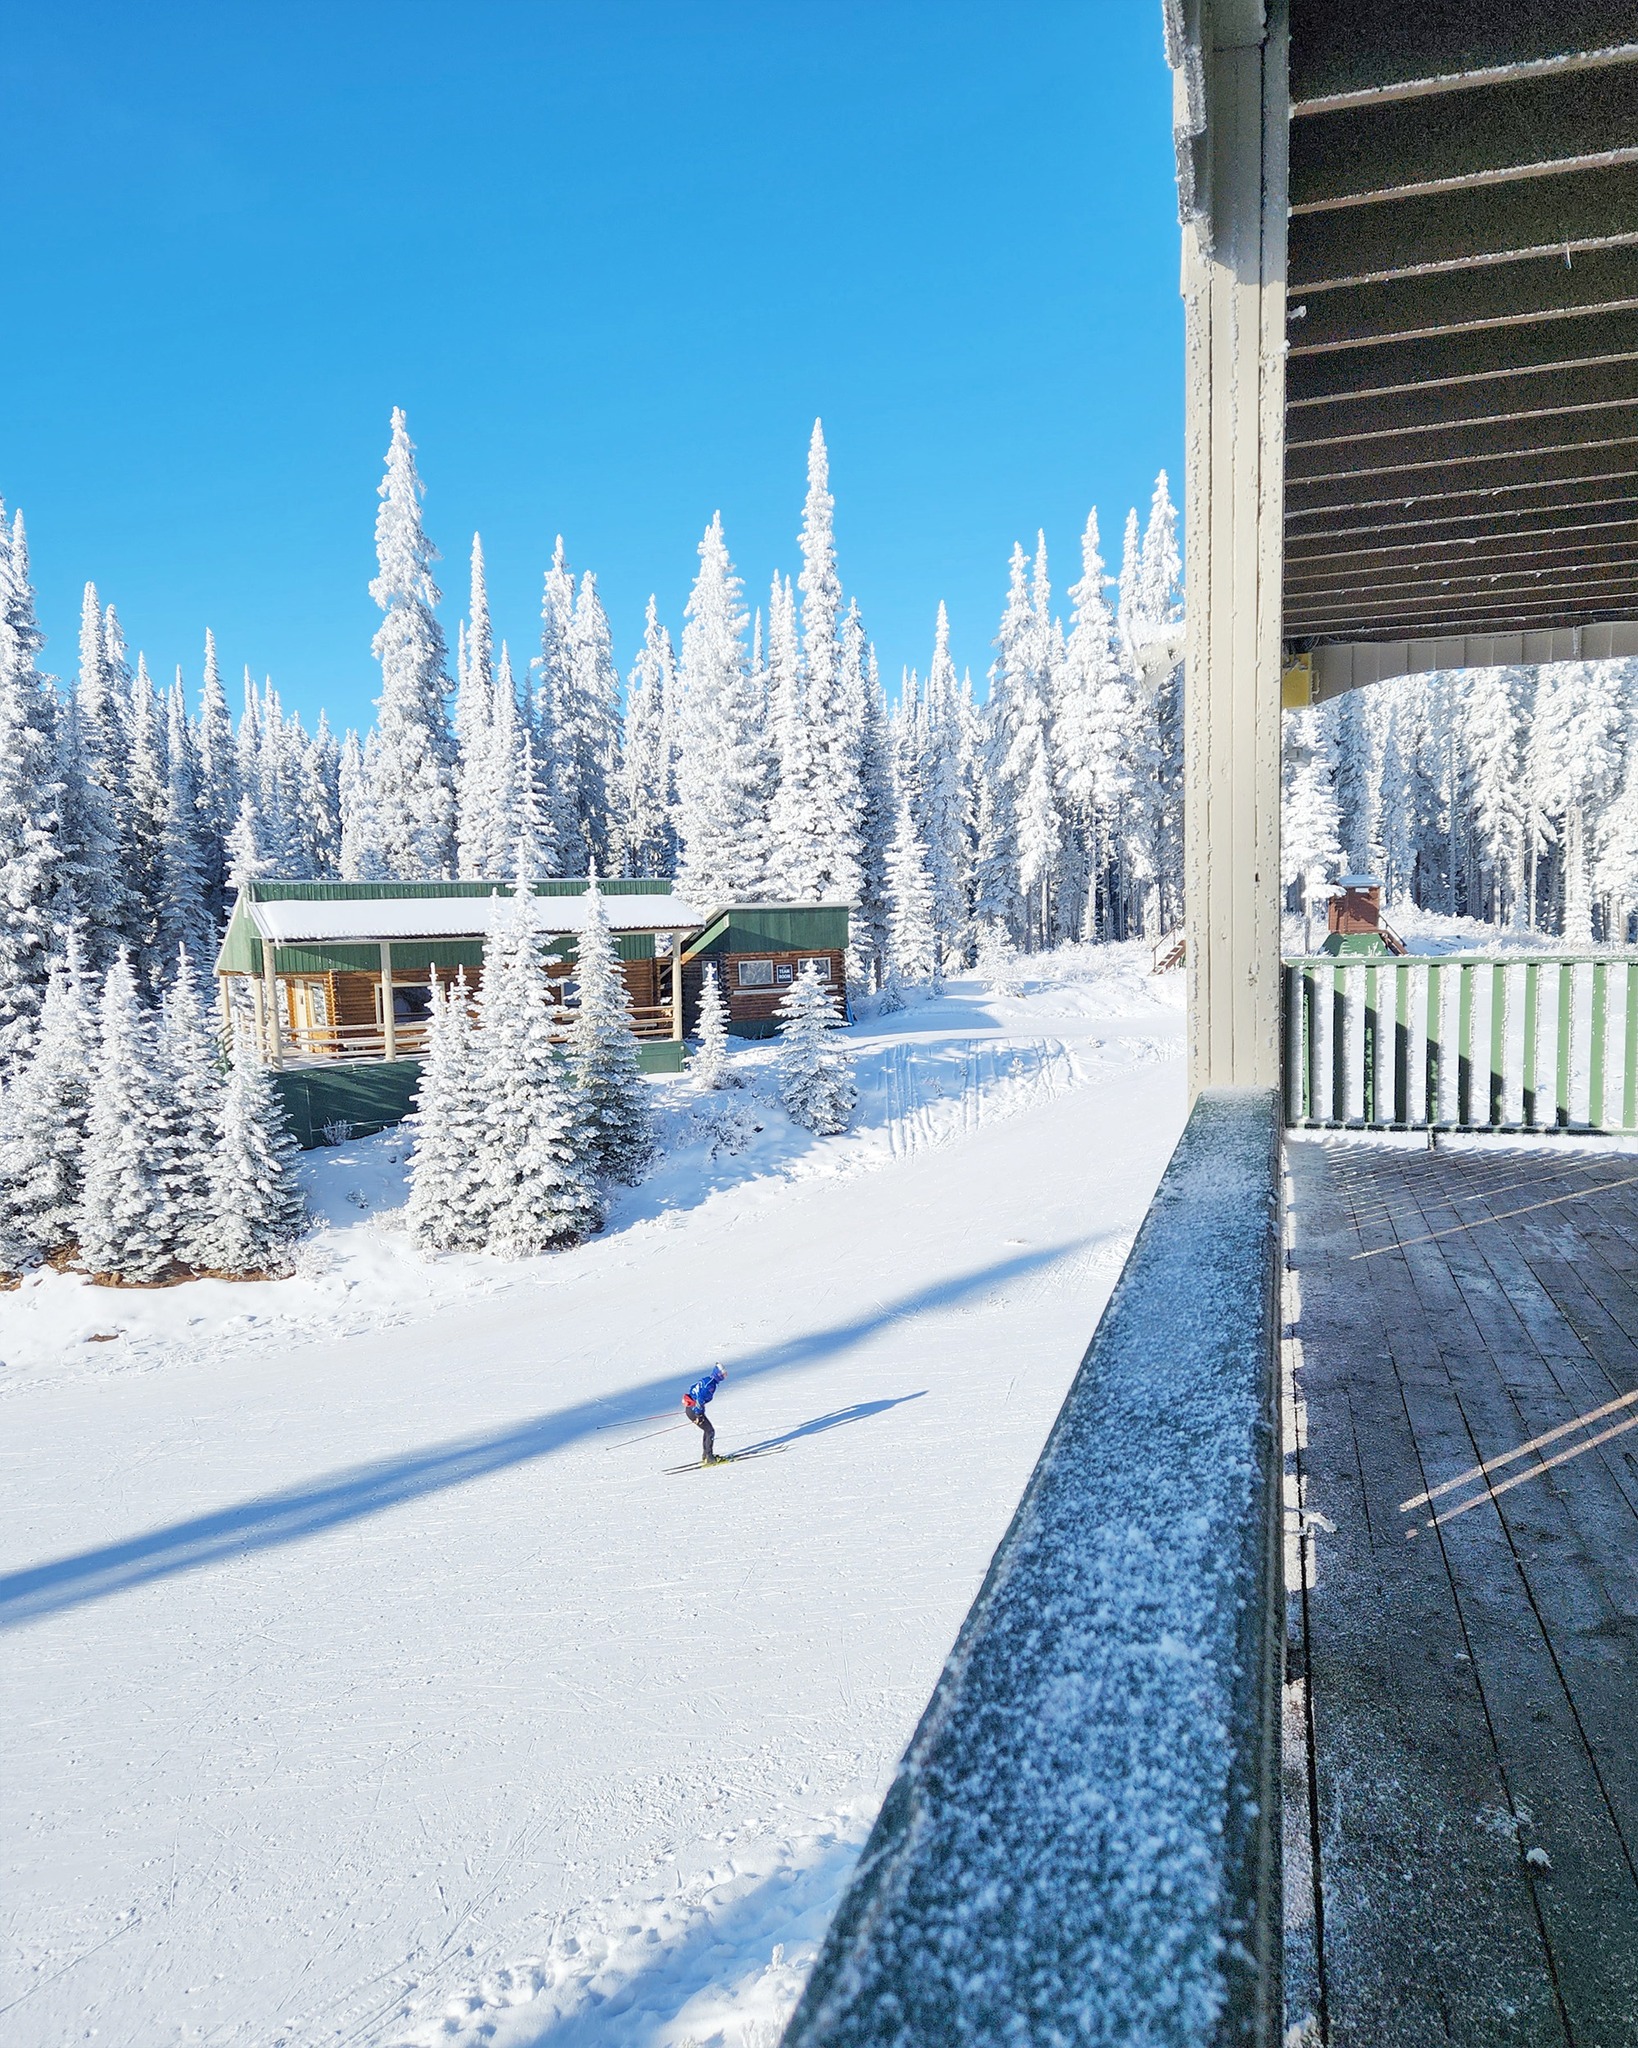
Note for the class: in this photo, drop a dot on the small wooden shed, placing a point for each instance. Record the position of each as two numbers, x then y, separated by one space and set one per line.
758 950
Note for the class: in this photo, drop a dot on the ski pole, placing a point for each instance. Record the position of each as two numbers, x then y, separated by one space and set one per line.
644 1438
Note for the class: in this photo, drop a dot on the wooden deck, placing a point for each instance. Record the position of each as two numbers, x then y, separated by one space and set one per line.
1467 1869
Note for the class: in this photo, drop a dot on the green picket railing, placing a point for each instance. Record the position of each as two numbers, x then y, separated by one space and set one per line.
1497 1042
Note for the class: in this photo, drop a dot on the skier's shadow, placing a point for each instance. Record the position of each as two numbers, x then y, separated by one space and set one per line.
838 1418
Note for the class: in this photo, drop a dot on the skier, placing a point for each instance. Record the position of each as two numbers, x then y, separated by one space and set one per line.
694 1405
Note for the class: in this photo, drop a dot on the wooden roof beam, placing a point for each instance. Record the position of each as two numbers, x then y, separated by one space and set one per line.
1513 449
1596 479
1441 552
1478 356
1378 50
1467 301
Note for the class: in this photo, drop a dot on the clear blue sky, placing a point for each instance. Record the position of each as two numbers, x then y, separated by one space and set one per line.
612 258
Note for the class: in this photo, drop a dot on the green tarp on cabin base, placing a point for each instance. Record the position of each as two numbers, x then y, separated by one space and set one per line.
370 1094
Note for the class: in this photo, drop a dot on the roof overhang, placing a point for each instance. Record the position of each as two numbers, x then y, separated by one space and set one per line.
1460 450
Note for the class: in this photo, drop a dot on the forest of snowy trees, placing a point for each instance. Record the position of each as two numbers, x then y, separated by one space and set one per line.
759 758
1509 795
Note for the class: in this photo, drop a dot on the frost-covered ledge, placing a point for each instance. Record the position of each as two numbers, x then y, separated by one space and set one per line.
1082 1842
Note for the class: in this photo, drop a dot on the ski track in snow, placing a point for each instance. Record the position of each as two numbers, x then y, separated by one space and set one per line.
365 1681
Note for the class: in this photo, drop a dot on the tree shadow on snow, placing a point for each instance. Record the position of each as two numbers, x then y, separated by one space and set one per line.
269 1520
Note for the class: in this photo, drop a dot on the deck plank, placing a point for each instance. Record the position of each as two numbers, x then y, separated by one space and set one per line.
1413 1795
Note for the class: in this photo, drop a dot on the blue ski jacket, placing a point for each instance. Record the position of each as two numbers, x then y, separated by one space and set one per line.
703 1388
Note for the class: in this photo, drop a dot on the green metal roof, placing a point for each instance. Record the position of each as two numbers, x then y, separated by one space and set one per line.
774 928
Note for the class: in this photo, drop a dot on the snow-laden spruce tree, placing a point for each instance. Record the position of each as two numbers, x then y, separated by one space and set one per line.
1310 849
912 947
943 814
143 851
614 1096
448 1130
815 1076
257 1209
997 963
190 1111
795 845
411 768
474 710
185 860
30 864
92 769
709 1066
536 1184
44 1115
218 783
832 704
127 1222
725 763
648 835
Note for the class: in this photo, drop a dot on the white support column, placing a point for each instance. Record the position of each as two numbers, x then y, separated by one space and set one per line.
270 1003
258 1010
1234 294
389 1025
676 987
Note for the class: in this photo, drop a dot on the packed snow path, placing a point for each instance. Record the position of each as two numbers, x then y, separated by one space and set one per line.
367 1679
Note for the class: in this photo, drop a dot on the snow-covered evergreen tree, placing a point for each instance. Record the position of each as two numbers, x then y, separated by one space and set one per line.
552 728
31 881
833 702
537 1188
43 1117
184 865
912 951
127 1223
815 1076
218 784
709 1066
449 1136
997 963
648 837
614 1097
411 766
92 768
187 1133
317 820
257 1209
725 764
474 713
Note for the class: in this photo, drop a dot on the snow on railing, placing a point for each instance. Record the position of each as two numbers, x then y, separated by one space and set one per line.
1486 1042
1083 1839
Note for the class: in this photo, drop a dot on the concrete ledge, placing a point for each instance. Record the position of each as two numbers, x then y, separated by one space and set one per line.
1082 1843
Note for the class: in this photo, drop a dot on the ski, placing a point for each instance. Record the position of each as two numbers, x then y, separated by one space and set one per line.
729 1458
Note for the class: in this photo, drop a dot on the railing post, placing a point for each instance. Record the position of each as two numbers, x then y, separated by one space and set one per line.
1368 1080
1401 1044
1339 1045
389 1023
1566 993
1595 1061
1498 1041
1310 1025
1532 1008
1436 1025
275 1038
1629 1068
1464 1045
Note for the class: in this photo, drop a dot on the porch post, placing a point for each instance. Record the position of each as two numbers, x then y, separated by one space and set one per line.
1234 253
275 1036
389 1028
676 986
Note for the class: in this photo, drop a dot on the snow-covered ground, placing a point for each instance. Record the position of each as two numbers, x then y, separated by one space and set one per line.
370 1678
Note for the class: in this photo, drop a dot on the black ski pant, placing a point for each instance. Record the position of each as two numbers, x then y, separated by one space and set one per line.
702 1421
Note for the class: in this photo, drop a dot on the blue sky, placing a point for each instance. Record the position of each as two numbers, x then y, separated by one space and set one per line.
612 259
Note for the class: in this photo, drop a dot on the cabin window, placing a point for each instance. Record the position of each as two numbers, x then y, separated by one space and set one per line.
411 1005
820 966
318 1004
756 974
784 971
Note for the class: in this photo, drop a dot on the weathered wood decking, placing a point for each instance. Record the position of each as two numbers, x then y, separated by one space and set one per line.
1472 1658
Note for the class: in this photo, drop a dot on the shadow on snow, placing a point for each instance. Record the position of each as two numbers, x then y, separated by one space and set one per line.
272 1519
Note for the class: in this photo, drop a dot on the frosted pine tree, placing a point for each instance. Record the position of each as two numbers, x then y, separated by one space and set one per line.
912 951
184 907
499 792
614 1097
648 837
318 805
257 1209
877 807
186 1136
127 1224
1490 742
411 767
1616 874
833 703
218 784
997 964
709 1066
1093 727
93 770
1310 850
552 727
143 850
593 740
30 864
448 1132
474 712
795 827
44 1114
536 1188
815 1076
724 761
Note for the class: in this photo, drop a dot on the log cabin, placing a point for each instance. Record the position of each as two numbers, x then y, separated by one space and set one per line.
337 977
